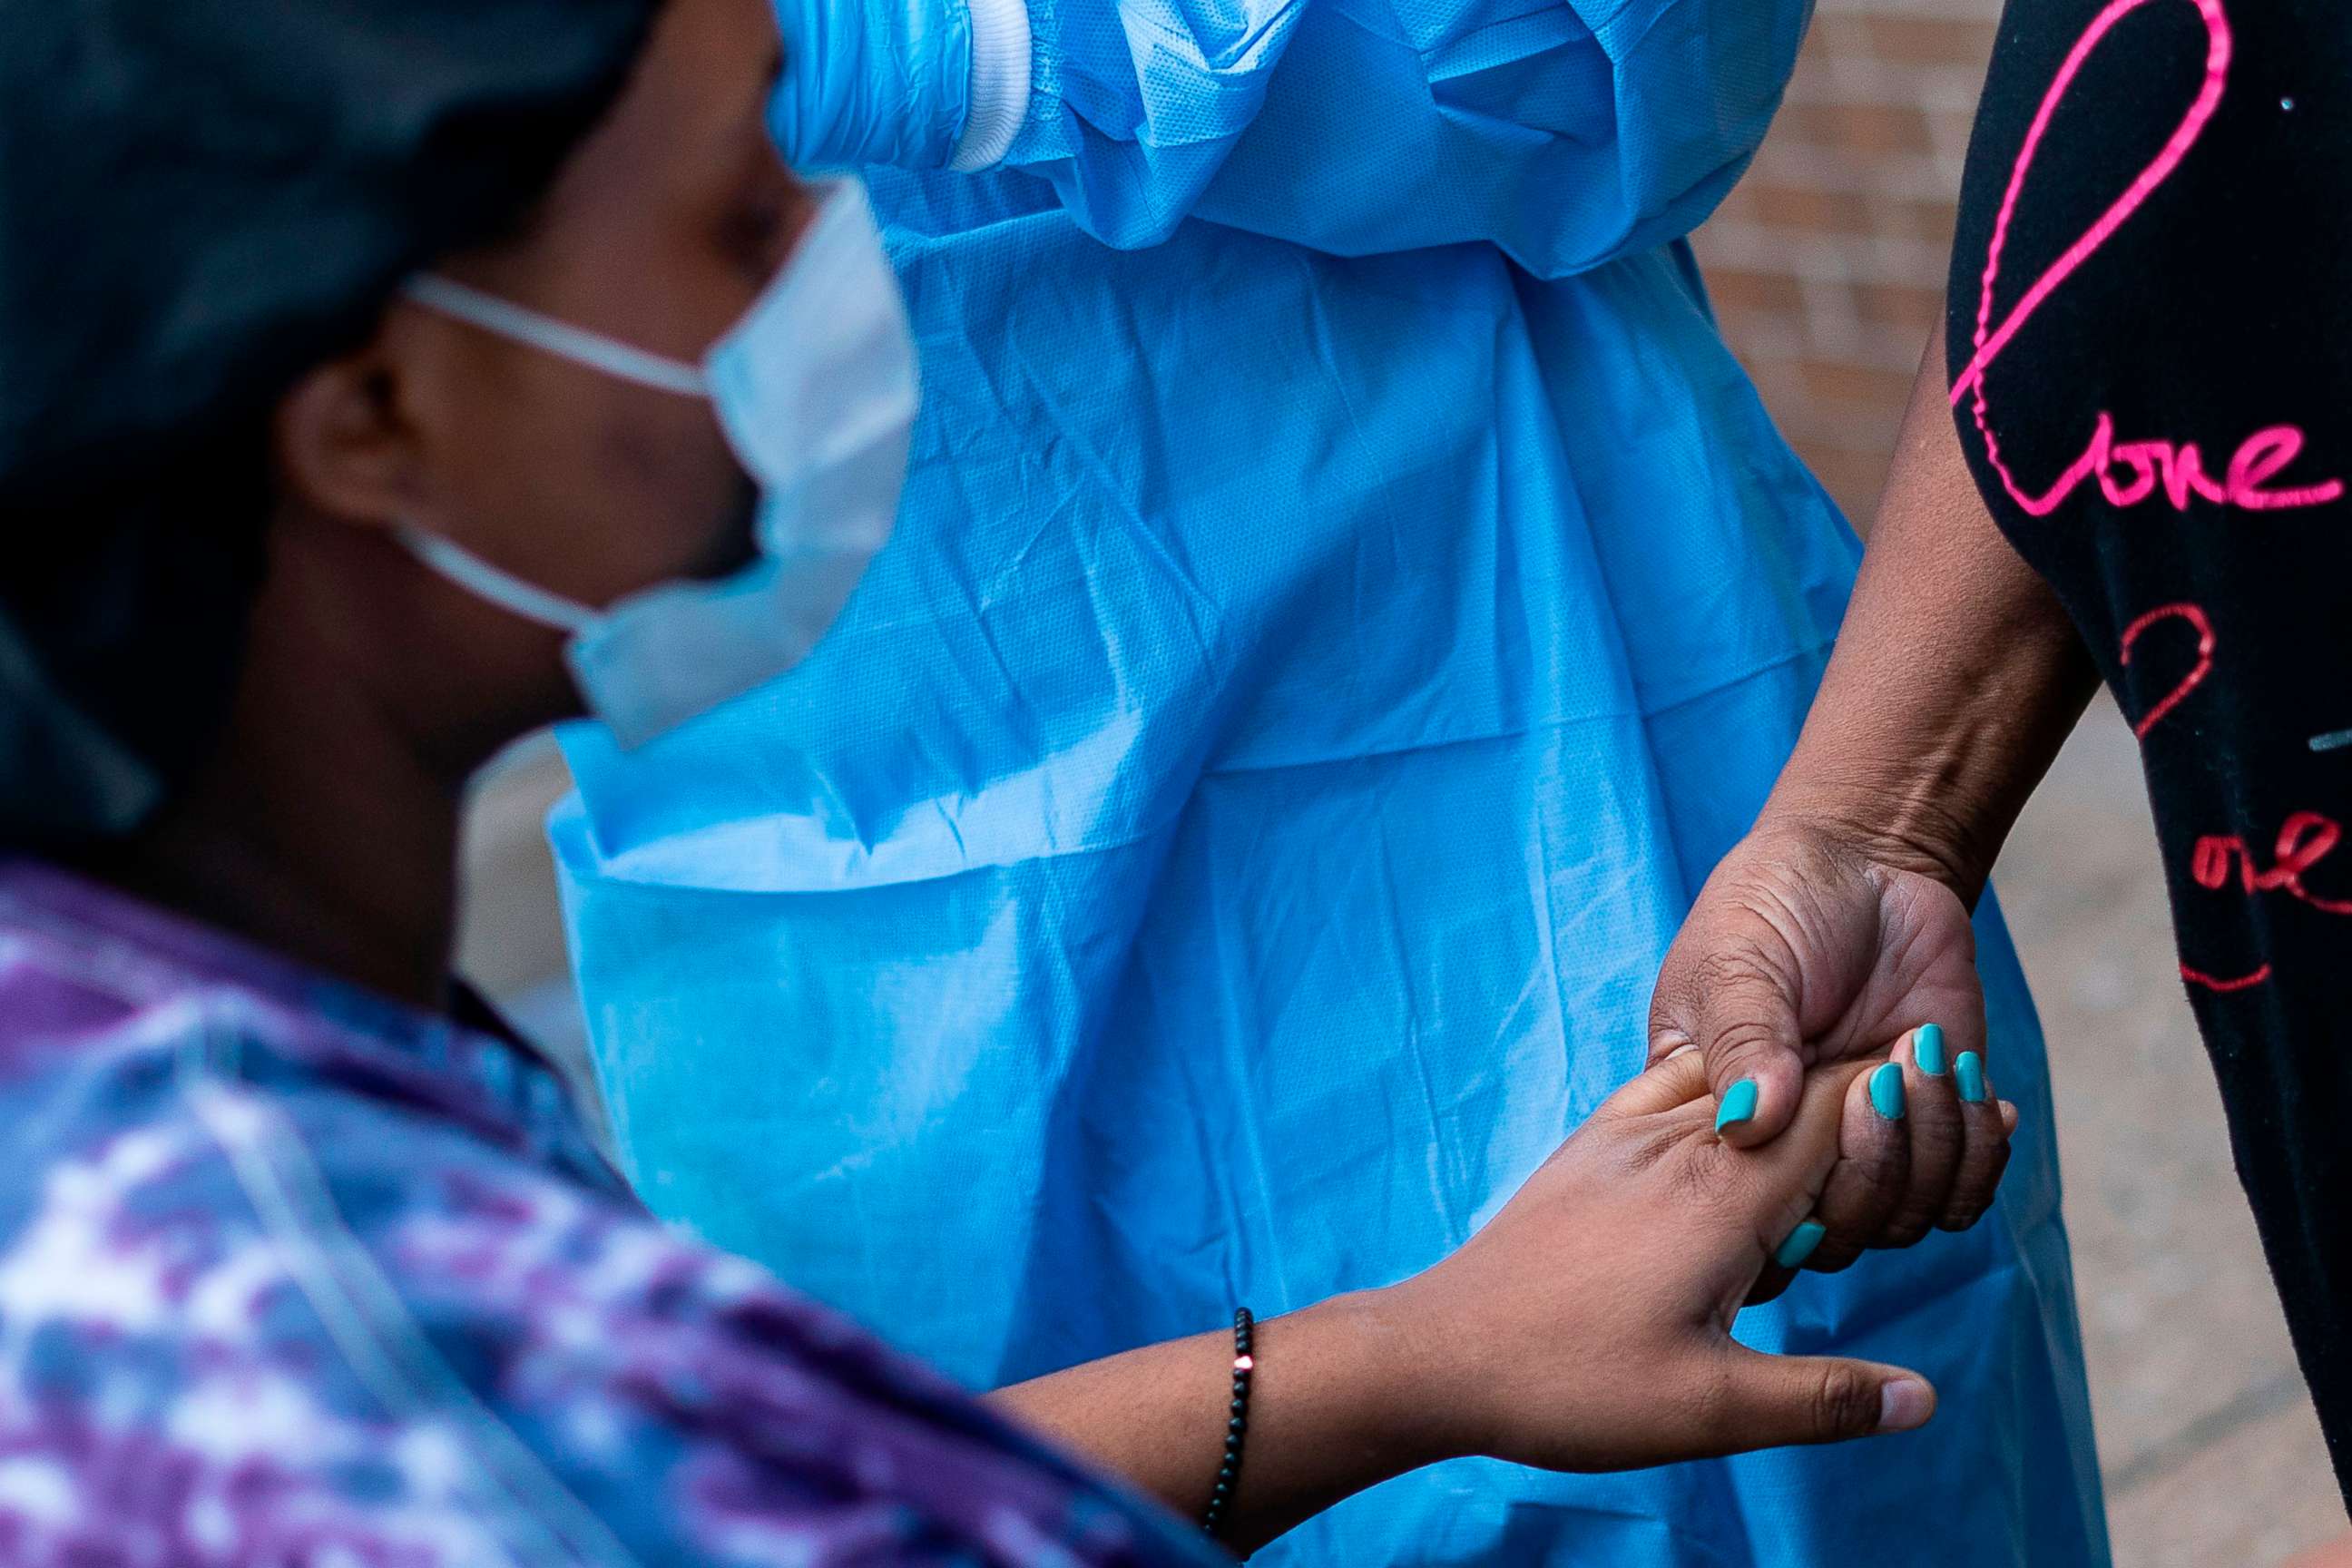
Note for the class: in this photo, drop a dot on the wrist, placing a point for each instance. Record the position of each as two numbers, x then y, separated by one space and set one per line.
1956 677
1894 827
1424 1385
1929 782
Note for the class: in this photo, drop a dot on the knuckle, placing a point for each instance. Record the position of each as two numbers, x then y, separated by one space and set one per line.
1937 1146
1743 1039
1643 1148
1977 1199
1844 1221
1845 1401
1734 969
1701 1185
1881 1166
1964 1210
1903 1230
1686 973
1708 1404
1669 1003
1847 1229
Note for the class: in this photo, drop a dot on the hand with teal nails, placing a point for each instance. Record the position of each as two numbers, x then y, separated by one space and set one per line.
1968 1079
1804 950
1588 1325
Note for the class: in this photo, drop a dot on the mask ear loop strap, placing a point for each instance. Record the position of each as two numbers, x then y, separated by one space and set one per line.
508 592
562 338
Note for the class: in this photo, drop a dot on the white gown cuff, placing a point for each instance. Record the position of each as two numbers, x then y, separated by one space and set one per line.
1000 82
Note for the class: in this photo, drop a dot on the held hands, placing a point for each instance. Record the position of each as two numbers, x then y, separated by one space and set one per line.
1805 948
1588 1326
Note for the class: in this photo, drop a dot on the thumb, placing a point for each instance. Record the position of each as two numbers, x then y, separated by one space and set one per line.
1723 994
1767 1401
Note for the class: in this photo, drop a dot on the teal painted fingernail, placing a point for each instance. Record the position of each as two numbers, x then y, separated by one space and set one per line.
1886 1090
1800 1245
1928 1050
1968 1074
1738 1104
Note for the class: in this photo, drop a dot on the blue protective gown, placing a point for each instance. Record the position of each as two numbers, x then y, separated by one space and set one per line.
1334 627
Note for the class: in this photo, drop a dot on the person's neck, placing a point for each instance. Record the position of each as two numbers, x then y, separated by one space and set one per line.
330 843
325 826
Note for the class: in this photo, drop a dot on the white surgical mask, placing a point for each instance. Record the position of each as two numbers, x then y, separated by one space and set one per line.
815 388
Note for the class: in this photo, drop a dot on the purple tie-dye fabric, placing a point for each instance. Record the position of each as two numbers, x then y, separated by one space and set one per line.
290 1275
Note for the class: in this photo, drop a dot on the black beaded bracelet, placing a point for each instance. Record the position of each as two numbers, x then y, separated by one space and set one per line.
1236 1423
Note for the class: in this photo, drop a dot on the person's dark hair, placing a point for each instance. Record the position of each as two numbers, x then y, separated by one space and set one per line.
199 200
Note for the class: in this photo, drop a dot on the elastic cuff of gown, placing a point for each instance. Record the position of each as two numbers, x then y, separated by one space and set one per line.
1000 83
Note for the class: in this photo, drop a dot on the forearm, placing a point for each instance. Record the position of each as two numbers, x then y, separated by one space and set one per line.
1332 1411
1957 675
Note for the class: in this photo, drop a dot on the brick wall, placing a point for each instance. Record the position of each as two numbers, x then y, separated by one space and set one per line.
1827 264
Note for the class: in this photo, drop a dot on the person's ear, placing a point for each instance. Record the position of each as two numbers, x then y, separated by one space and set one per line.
347 443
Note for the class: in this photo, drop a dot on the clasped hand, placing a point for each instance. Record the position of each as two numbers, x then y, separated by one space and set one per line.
1804 950
1817 1090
